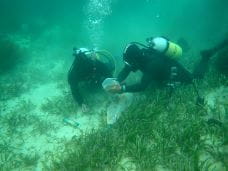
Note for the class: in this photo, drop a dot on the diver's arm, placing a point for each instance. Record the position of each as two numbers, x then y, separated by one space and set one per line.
142 85
183 75
124 73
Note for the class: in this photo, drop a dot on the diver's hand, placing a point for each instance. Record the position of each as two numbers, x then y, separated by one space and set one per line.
115 89
84 108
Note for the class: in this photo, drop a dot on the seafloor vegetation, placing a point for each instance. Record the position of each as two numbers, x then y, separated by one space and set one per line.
13 126
158 132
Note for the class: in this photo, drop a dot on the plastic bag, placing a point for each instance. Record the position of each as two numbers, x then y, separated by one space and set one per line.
115 109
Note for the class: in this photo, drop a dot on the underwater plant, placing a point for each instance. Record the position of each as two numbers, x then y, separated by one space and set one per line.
42 127
5 159
160 131
12 88
19 117
9 160
61 105
29 160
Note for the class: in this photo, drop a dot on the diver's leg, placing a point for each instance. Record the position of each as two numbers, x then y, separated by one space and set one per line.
202 67
208 53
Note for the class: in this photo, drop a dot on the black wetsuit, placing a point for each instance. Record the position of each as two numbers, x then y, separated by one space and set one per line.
86 70
211 52
156 68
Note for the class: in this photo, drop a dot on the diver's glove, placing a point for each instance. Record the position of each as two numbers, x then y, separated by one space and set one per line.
111 85
115 89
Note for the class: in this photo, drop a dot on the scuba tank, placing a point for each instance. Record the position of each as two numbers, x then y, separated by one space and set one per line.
106 57
163 45
159 45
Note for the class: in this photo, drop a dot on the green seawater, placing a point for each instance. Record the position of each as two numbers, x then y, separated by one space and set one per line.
157 132
113 23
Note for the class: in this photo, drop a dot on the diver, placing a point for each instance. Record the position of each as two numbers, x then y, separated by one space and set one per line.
158 62
90 67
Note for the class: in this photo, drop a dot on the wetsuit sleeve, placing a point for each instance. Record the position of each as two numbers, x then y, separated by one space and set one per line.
124 73
146 79
73 82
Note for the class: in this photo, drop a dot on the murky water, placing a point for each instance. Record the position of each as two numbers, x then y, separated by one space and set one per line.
36 42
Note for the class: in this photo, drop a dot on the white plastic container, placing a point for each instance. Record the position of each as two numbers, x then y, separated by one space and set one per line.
110 83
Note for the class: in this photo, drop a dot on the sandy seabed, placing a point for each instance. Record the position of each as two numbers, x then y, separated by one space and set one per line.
27 131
